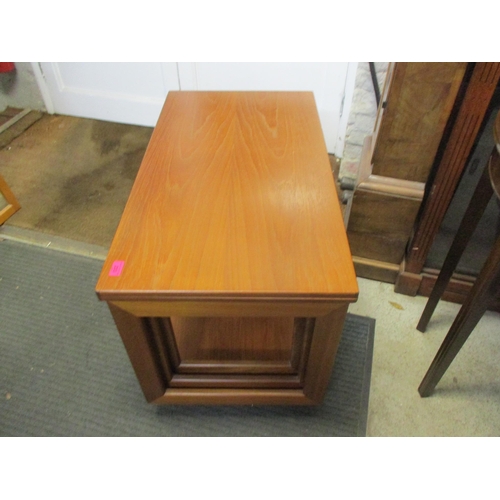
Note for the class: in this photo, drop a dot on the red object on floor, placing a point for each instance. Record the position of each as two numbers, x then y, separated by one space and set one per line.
6 67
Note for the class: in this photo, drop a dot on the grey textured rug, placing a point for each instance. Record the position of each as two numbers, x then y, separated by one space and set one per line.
65 372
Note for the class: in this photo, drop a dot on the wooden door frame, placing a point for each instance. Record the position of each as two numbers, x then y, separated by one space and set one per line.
413 278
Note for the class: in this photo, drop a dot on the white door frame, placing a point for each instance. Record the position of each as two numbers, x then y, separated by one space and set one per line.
44 88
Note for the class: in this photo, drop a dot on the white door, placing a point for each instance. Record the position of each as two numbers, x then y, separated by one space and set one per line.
118 92
134 92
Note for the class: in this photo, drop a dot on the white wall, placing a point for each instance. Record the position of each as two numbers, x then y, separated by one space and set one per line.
21 90
116 91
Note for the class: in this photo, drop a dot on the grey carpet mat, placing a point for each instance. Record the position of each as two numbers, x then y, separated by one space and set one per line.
65 372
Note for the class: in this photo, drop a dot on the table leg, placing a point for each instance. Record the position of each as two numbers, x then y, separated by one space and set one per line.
484 291
138 341
324 344
475 210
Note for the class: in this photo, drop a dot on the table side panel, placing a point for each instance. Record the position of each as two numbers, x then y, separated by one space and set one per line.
188 308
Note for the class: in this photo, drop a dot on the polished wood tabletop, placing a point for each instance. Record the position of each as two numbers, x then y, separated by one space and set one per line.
234 198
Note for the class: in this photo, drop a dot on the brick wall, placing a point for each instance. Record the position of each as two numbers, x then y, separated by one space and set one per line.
361 117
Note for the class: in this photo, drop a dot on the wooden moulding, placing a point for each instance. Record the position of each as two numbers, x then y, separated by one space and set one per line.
397 187
165 378
382 218
375 269
457 290
407 283
322 351
234 396
422 284
377 183
156 308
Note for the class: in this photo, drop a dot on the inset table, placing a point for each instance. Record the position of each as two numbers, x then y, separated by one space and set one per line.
230 273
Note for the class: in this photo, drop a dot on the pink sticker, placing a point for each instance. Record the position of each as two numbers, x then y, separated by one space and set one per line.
116 268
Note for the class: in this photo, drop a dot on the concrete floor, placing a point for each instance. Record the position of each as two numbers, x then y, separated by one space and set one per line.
72 177
466 402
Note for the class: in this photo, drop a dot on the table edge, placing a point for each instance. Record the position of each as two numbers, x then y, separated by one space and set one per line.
224 297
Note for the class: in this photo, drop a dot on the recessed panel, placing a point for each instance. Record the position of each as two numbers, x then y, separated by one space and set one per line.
234 339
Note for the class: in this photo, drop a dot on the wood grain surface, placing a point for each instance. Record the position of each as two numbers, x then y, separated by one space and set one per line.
230 339
234 197
418 105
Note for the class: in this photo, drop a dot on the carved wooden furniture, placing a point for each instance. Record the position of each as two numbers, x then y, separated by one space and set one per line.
416 103
485 289
427 124
230 274
471 109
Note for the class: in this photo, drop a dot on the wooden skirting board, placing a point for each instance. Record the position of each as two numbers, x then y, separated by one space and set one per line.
422 284
375 269
415 284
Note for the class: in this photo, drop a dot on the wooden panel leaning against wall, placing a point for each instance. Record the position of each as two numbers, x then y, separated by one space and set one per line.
416 103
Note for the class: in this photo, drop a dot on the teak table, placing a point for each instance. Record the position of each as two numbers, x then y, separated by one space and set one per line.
230 274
